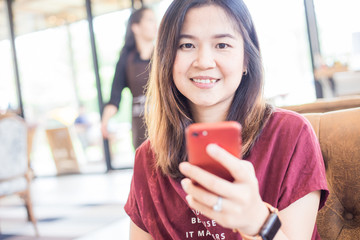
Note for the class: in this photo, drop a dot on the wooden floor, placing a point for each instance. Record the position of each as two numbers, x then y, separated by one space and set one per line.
81 207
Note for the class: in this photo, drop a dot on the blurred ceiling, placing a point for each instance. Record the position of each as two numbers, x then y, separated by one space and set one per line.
35 15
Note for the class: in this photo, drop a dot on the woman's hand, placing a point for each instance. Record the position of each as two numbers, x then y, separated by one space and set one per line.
109 111
242 207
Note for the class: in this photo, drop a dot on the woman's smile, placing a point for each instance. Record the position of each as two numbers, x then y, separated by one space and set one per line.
204 82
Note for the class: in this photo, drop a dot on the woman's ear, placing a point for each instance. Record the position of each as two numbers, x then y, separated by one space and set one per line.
245 69
245 65
135 28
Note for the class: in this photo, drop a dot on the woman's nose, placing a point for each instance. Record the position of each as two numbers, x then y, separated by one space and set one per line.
204 59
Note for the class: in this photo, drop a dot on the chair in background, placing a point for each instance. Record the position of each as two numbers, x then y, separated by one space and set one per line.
62 149
327 105
14 162
339 136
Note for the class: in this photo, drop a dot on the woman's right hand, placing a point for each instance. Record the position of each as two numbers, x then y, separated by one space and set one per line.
104 131
109 111
242 206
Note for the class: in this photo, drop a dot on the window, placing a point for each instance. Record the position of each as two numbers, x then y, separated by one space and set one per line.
339 30
281 27
8 92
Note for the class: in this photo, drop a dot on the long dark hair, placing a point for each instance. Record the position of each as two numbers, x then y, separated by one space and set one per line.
129 46
135 17
168 113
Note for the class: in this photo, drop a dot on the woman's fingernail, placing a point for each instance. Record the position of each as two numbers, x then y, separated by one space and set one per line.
211 148
188 198
183 183
183 167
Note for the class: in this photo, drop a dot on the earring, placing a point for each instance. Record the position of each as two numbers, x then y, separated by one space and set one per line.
245 73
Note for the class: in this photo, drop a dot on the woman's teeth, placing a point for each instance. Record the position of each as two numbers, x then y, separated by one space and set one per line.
204 80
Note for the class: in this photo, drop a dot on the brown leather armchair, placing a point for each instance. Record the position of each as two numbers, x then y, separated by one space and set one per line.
339 136
327 105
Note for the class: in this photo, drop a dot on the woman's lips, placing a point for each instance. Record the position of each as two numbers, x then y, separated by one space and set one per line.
203 80
204 83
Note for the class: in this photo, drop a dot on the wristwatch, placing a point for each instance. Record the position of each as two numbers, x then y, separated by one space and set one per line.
269 229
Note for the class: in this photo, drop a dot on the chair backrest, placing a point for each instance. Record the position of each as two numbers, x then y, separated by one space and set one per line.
13 147
339 136
327 105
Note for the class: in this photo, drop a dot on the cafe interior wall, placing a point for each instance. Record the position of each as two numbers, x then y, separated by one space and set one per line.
57 75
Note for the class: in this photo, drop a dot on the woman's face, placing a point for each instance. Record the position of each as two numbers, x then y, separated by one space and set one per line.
147 27
209 61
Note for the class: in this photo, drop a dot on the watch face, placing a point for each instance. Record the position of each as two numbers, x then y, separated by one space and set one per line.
271 227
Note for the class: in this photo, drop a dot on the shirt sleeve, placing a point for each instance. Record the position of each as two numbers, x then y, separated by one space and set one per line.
306 170
132 209
119 81
139 189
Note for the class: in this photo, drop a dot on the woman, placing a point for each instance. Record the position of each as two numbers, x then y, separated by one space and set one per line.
132 71
207 68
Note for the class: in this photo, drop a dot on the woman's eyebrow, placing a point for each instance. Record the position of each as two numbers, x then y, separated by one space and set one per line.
216 36
186 36
224 35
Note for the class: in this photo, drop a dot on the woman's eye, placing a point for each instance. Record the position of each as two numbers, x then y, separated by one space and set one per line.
187 45
222 45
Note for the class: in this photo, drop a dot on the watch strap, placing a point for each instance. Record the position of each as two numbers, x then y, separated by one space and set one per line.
269 229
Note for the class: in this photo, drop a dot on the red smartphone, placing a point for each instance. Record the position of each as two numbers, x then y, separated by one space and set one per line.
225 134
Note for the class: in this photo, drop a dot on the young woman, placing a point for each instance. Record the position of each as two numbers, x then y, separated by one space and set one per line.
132 70
207 68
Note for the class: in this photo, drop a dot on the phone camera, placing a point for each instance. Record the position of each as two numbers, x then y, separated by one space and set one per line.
195 134
204 133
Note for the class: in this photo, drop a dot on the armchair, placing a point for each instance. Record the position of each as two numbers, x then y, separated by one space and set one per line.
339 136
327 105
14 170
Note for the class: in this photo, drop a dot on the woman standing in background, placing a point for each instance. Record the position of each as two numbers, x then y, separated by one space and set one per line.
132 71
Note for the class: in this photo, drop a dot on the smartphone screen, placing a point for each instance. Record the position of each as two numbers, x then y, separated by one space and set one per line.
225 134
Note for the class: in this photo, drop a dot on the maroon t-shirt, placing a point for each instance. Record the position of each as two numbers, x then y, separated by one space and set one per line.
288 165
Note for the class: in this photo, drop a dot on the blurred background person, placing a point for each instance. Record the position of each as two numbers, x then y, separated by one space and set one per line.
82 126
132 71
